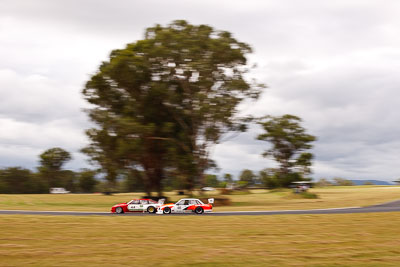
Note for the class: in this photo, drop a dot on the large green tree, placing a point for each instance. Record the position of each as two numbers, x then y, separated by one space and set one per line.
161 102
289 142
103 150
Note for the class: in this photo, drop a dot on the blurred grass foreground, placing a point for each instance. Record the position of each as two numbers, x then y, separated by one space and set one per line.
282 240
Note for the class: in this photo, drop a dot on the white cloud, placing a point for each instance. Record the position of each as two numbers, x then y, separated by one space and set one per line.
332 63
37 113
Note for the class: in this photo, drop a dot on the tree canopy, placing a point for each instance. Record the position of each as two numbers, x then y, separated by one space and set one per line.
160 102
54 158
51 162
248 177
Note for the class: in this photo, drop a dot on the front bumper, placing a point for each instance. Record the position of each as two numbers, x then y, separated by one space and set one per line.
159 211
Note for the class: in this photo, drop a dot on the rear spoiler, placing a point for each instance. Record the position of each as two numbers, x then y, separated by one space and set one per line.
211 201
161 201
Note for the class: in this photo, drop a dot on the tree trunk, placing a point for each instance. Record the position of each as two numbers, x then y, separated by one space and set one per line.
147 178
147 187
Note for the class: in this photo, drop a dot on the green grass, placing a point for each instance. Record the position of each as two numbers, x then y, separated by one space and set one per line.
281 240
328 197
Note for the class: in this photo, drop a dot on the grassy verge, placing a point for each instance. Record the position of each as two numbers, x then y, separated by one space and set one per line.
329 197
284 240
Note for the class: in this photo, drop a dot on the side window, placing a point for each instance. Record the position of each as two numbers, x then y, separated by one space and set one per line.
193 202
198 202
142 201
135 201
186 202
180 202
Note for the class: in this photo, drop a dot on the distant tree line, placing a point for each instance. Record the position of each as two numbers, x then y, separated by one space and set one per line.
17 180
267 178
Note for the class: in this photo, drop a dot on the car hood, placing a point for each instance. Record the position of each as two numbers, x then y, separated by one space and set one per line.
169 204
121 204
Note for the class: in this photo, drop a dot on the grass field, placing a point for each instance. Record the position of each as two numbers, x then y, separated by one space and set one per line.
329 197
281 240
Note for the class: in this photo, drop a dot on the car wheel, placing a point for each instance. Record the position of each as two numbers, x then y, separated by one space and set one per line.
119 210
199 210
167 210
151 209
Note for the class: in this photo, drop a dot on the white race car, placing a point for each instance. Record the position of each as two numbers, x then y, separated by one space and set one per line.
186 205
138 205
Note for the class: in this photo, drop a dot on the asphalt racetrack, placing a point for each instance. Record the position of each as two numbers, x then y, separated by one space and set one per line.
385 207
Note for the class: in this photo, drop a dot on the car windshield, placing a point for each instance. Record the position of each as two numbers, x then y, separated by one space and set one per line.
134 201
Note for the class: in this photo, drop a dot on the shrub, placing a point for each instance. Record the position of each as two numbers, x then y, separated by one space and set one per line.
225 191
308 195
222 184
242 184
342 182
323 182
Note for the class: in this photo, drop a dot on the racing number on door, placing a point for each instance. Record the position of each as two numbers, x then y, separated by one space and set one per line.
134 207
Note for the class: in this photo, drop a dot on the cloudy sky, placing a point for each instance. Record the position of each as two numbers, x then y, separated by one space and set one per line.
333 63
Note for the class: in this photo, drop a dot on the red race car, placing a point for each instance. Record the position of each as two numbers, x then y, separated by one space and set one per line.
186 205
135 205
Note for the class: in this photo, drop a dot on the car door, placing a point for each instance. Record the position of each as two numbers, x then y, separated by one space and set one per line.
192 205
134 205
180 206
143 204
